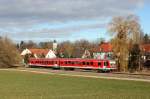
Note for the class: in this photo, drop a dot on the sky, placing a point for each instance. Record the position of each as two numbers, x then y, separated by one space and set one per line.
45 20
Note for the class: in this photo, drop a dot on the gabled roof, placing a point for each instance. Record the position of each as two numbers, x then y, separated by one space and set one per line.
25 51
50 54
146 47
39 51
105 47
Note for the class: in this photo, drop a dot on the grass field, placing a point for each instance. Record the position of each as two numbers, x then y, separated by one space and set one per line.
23 85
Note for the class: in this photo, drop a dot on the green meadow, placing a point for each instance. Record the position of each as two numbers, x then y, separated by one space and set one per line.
23 85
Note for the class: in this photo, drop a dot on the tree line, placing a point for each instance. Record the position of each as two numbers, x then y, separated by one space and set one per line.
65 49
127 38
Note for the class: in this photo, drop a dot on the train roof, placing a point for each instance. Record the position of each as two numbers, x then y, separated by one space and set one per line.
67 59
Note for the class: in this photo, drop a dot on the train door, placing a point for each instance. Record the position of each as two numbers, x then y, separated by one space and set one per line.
99 63
106 65
56 63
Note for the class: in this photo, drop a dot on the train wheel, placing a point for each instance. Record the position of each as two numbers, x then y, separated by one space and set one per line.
56 67
69 69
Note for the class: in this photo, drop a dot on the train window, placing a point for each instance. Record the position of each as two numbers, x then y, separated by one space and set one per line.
52 62
69 62
65 62
83 63
55 62
99 63
105 63
79 63
91 63
72 63
76 62
87 63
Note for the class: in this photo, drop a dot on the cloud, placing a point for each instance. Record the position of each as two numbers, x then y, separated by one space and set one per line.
45 33
24 14
30 12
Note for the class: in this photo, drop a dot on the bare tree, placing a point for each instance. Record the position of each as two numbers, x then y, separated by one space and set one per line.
80 46
31 44
8 53
125 30
47 45
67 47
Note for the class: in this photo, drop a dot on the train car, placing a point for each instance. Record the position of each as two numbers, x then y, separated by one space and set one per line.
72 63
43 62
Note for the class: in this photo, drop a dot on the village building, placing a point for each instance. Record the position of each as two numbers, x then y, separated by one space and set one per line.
145 51
39 53
86 54
104 51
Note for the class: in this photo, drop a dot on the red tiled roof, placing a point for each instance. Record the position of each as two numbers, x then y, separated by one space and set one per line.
146 47
39 51
105 47
94 50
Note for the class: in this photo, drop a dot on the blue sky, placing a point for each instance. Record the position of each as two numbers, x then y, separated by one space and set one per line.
144 15
46 20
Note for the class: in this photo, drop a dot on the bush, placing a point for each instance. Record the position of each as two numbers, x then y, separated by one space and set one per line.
9 56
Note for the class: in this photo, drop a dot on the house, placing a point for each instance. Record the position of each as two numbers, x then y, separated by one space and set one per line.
104 51
25 51
146 51
39 53
86 54
50 54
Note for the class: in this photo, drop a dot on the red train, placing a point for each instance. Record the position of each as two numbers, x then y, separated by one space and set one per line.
72 63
